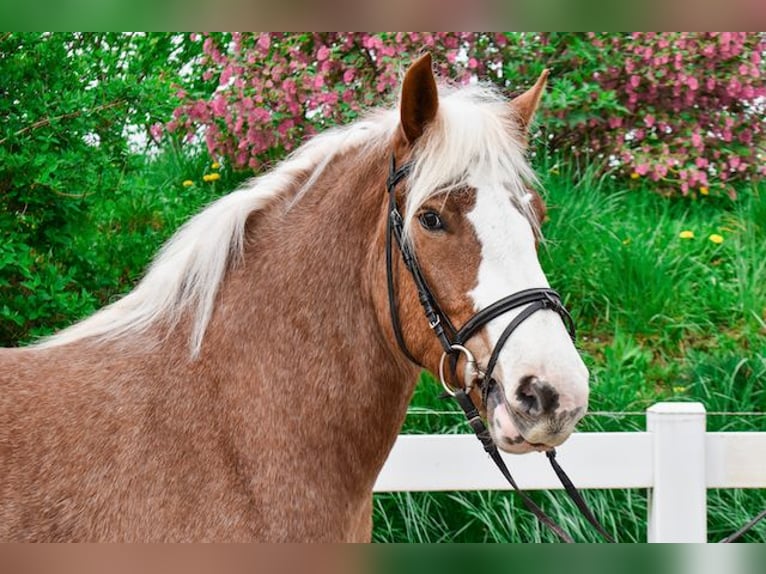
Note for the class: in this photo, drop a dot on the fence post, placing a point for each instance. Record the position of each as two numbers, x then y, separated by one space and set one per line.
678 501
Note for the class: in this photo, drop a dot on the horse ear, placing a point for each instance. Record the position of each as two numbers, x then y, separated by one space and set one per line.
526 104
420 99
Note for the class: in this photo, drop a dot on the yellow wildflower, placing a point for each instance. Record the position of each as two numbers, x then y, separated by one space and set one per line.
211 176
715 238
187 183
686 234
704 190
634 175
215 165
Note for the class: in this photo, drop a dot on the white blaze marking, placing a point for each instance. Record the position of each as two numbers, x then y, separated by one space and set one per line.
540 346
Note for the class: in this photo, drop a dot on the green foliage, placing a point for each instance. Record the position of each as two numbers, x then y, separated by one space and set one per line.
67 102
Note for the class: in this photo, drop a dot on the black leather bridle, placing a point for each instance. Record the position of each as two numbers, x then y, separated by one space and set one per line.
453 342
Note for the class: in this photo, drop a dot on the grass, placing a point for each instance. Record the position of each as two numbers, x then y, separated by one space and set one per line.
659 318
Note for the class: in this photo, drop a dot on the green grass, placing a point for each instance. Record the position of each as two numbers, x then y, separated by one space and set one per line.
659 318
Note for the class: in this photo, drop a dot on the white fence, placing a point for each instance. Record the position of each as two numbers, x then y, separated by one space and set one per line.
675 458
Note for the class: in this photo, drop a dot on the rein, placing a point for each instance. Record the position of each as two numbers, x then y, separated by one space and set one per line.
453 344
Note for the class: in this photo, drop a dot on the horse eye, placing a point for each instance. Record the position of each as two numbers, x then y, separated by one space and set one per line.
431 221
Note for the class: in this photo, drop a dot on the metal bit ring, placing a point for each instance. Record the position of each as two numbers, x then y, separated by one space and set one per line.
471 373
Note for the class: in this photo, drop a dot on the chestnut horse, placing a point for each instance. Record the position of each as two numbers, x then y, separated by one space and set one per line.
251 387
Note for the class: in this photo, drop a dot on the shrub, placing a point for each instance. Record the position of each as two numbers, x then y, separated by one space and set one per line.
67 102
685 110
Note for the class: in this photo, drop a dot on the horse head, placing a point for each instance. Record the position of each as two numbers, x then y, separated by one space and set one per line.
467 220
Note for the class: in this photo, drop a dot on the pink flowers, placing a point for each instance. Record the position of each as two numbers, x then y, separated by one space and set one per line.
697 96
668 106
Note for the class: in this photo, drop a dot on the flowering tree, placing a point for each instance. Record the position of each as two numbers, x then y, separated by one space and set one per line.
695 107
685 110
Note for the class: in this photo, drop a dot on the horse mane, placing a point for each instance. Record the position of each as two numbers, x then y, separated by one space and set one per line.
474 135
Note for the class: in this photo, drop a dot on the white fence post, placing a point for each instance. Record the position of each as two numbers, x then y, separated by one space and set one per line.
678 501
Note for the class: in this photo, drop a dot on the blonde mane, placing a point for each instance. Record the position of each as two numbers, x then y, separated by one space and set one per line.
474 134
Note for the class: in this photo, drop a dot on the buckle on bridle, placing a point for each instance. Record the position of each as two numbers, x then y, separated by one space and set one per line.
471 372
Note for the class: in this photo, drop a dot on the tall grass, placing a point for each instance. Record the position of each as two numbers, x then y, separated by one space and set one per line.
659 317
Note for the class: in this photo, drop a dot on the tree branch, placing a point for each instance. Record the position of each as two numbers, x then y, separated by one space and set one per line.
47 121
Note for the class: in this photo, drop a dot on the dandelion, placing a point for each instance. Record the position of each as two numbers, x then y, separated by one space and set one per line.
686 234
704 190
187 183
211 177
215 165
634 175
715 238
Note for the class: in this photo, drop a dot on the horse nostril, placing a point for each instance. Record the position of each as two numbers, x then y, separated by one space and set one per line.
536 397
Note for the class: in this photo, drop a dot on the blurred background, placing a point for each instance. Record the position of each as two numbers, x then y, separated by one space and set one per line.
650 148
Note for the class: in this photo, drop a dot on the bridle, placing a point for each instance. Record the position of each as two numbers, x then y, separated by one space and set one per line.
453 343
453 340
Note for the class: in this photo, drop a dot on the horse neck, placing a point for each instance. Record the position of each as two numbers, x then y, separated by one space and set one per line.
297 327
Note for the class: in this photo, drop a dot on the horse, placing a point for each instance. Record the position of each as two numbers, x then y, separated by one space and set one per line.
252 384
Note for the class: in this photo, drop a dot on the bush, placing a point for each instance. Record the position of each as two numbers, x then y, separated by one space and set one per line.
67 103
685 110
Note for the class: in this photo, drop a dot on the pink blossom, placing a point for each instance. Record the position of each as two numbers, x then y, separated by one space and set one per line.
156 131
285 126
677 95
225 75
219 106
264 42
